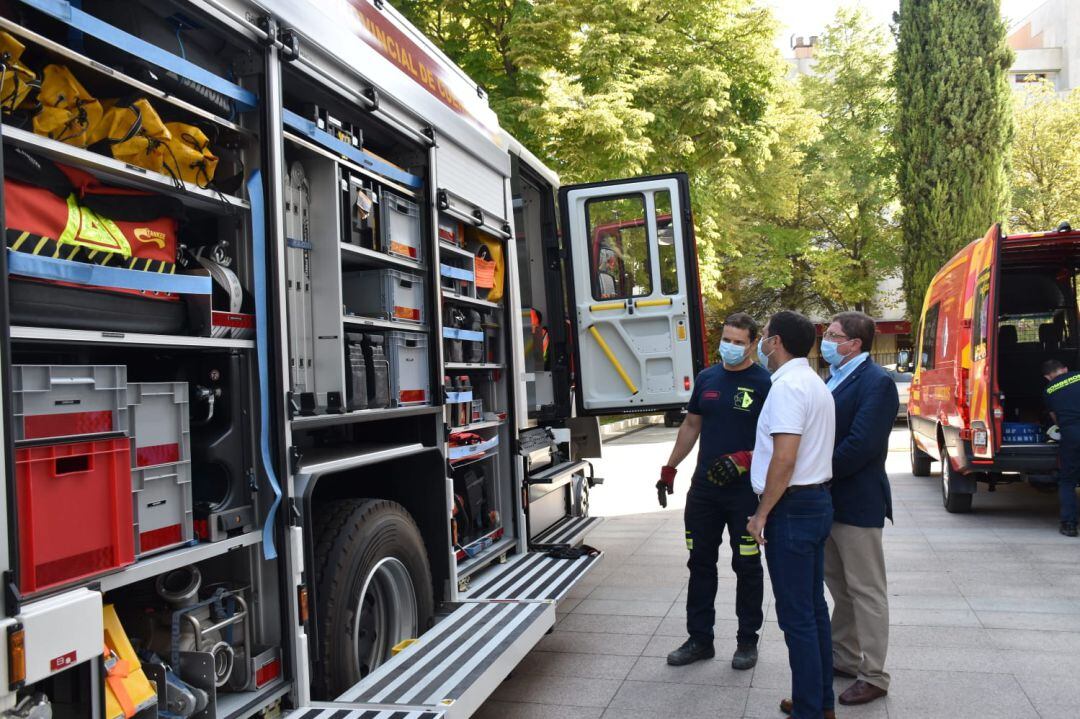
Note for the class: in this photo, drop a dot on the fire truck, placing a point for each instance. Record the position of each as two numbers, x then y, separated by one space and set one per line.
302 366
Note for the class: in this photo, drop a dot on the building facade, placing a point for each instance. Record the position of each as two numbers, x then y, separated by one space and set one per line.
1047 45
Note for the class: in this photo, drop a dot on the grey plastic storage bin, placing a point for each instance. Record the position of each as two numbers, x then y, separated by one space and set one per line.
399 226
64 401
410 380
384 294
161 498
160 430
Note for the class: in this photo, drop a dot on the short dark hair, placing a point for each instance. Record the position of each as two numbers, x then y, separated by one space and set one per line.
857 326
795 331
1052 365
743 321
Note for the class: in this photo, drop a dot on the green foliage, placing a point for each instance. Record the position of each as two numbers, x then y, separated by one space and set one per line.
1045 174
953 129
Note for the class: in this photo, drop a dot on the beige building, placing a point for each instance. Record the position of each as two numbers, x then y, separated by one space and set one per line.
1047 45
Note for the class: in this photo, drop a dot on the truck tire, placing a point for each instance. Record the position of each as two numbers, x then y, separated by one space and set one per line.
954 502
920 460
373 588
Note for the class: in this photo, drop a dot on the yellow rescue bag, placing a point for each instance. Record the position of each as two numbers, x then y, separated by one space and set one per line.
68 112
189 156
18 79
495 251
127 690
135 133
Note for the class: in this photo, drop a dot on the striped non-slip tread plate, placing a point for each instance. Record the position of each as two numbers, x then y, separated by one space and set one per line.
567 530
531 576
458 663
329 711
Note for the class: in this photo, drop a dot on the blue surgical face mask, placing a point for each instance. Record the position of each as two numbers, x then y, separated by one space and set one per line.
763 359
731 353
830 351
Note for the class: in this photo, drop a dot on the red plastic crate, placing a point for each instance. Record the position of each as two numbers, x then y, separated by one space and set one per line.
75 510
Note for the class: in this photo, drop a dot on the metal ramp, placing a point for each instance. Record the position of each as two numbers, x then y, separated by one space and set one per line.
530 577
567 531
451 670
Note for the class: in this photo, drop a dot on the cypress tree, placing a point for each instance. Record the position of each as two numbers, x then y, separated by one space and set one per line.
953 130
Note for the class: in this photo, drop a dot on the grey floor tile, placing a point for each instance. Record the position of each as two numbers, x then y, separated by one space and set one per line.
957 695
567 691
495 709
765 704
566 664
610 624
594 643
623 607
640 594
714 672
681 700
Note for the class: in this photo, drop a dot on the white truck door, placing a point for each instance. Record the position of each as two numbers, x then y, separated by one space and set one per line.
635 293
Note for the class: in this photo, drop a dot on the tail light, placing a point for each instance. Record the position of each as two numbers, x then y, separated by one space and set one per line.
980 440
686 383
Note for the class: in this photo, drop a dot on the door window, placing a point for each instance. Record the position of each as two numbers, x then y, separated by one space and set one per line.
619 248
665 236
928 351
981 319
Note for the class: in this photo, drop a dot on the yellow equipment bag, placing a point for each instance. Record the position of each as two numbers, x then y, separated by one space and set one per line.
18 79
68 112
135 133
495 250
127 690
189 156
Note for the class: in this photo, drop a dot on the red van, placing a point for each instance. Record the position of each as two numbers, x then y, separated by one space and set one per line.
993 314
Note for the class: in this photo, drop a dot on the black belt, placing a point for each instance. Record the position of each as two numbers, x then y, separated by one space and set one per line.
822 486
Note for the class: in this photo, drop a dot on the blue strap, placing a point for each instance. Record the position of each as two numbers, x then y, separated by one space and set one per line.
364 159
262 339
84 273
467 335
87 23
456 273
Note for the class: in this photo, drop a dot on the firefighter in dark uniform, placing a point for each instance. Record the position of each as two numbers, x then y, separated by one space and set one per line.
723 410
1063 401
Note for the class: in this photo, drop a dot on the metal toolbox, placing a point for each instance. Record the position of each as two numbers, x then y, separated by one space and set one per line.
160 431
410 379
399 226
161 498
68 401
384 294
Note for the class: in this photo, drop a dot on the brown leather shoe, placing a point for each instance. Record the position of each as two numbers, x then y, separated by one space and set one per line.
861 693
787 706
838 672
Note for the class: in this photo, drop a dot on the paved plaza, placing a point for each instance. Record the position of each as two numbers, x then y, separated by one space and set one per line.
985 611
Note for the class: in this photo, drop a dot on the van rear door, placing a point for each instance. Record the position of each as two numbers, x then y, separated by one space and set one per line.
634 293
978 373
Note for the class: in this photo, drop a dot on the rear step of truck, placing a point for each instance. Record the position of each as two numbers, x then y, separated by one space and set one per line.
451 670
531 576
567 531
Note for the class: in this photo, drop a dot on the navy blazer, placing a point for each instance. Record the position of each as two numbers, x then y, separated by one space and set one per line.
866 406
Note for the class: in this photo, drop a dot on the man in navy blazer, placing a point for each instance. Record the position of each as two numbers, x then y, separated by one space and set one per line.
866 404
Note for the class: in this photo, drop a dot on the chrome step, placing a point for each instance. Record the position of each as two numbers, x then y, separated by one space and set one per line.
455 666
567 531
326 710
530 577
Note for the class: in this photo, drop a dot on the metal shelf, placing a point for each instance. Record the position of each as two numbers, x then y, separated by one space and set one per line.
70 56
475 426
454 249
471 565
161 563
472 366
360 415
108 337
320 150
472 301
241 705
355 256
124 174
358 321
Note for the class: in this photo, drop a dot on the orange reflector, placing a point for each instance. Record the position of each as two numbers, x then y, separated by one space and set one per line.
302 603
686 383
16 655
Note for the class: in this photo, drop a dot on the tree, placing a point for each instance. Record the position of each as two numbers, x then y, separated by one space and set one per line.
953 129
1045 174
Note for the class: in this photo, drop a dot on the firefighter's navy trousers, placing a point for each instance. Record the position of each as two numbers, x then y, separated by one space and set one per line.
709 509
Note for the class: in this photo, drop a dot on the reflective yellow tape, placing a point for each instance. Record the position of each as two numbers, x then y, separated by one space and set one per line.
605 306
22 239
749 547
666 302
612 359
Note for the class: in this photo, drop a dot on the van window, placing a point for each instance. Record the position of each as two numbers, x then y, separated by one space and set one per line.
1027 326
928 350
982 317
665 236
619 248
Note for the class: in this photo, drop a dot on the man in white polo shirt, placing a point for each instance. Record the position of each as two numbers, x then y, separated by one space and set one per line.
790 473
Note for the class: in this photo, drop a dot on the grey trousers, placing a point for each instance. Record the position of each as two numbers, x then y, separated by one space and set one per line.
855 575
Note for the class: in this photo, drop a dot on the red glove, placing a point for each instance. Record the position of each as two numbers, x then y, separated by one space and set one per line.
730 468
666 485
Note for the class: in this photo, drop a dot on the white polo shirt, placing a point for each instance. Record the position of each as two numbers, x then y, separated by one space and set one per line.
798 403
